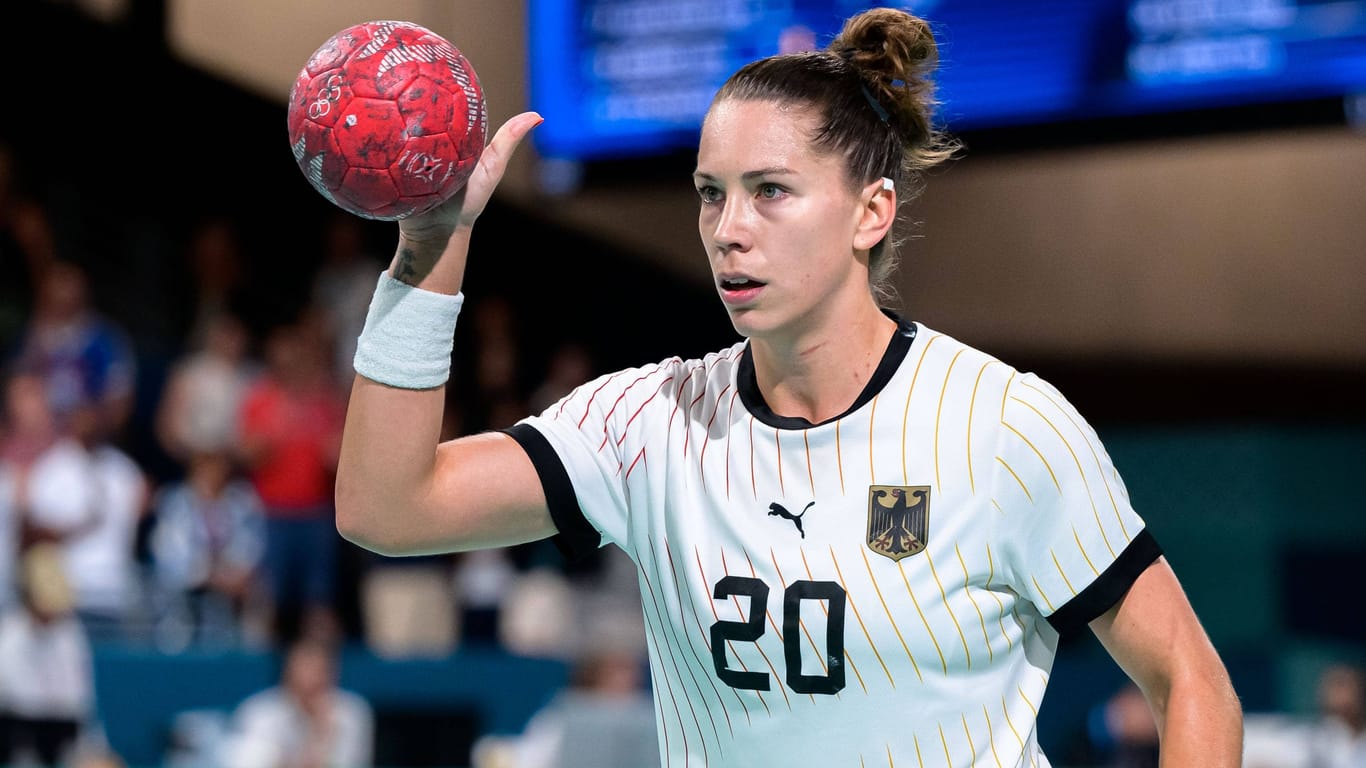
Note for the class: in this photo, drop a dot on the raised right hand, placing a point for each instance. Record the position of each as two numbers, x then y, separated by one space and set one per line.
436 226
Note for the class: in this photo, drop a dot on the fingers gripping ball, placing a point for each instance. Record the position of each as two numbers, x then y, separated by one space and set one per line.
387 119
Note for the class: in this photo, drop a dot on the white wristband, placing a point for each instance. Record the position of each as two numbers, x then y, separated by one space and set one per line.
408 336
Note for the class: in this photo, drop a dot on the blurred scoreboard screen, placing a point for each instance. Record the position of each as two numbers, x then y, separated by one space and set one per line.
624 78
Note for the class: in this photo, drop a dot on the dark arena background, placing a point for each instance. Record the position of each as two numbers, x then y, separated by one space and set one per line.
1215 254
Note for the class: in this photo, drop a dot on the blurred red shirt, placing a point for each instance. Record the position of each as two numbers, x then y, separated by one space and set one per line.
299 431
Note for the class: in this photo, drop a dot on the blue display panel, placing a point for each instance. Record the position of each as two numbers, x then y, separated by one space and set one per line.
623 78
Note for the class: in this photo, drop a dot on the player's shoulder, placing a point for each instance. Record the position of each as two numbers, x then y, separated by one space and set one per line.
687 371
719 360
985 375
947 351
1022 389
666 380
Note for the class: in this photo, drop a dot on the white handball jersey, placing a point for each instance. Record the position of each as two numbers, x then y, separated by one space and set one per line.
886 588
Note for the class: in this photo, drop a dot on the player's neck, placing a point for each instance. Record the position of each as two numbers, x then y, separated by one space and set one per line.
819 375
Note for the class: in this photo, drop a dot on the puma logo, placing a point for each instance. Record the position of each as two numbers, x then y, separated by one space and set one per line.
778 510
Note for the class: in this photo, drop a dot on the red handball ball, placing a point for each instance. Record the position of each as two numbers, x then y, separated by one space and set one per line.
387 119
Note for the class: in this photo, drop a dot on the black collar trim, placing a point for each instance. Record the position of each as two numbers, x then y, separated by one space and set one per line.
748 385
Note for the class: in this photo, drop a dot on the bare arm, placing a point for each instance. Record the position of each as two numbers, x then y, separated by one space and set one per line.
399 492
1155 636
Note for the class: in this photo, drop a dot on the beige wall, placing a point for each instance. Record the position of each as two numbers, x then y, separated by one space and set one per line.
1246 248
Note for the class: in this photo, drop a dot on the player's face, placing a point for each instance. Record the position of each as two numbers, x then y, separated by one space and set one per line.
777 220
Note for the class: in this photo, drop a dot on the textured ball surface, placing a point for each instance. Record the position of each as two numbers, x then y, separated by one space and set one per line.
387 119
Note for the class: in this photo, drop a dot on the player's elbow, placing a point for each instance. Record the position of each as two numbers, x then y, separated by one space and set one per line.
1192 694
1211 683
379 539
370 522
352 524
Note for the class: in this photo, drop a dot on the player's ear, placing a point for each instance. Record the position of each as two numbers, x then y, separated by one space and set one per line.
877 213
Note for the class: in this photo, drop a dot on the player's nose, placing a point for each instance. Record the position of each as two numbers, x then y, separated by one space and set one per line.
733 230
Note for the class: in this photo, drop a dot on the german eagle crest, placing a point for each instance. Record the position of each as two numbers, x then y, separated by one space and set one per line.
898 519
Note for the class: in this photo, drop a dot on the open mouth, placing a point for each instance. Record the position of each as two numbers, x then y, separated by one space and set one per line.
739 284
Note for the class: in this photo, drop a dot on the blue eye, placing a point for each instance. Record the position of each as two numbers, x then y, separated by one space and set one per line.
708 194
769 191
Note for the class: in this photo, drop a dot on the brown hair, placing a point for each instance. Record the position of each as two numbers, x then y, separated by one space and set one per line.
873 89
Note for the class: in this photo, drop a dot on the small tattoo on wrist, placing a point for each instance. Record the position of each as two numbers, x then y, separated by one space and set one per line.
411 268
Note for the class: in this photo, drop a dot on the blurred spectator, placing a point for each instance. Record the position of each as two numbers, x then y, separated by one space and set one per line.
101 558
85 358
10 521
77 490
605 596
483 580
504 408
539 616
570 366
214 256
1339 738
47 683
98 757
206 546
27 431
15 291
342 288
1333 736
204 392
26 244
408 608
1124 731
290 430
496 347
30 427
50 486
497 344
305 721
604 719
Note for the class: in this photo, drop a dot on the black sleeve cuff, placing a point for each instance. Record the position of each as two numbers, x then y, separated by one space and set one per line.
577 538
1107 590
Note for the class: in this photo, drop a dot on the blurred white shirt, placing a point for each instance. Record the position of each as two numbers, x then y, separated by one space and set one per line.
269 730
1274 740
45 669
102 562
